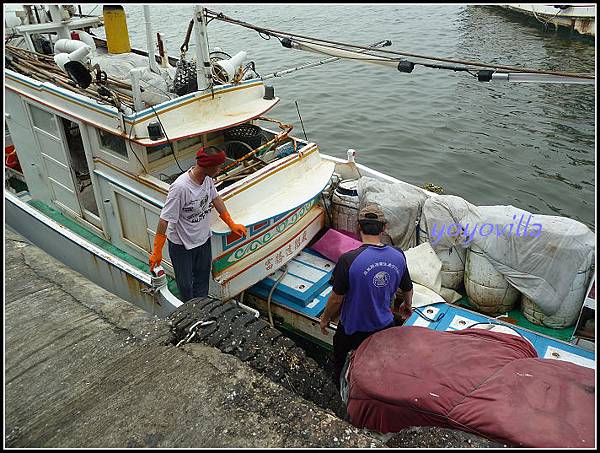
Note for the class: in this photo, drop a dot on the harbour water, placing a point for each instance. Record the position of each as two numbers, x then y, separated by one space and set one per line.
527 145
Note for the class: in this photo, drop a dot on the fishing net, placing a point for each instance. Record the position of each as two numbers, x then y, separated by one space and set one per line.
185 77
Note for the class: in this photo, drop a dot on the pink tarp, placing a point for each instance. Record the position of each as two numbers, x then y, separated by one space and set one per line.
334 243
488 383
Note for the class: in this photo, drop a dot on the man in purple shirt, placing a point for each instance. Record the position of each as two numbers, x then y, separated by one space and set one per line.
365 282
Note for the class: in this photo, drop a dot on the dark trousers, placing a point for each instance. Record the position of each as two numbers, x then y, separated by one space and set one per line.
343 344
192 269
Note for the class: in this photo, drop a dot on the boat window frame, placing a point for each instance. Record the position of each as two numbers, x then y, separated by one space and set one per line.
111 151
99 151
31 106
214 138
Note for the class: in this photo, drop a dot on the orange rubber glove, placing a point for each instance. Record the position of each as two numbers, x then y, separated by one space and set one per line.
156 257
236 228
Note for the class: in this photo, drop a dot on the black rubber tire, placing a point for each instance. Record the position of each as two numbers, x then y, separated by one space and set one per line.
252 340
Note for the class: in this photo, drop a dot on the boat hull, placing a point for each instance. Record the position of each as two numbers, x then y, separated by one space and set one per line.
582 19
99 266
261 256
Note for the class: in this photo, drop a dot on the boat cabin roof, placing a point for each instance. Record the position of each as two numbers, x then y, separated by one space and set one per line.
37 76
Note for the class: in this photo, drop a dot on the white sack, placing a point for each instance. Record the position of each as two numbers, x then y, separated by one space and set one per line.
439 225
155 86
439 214
423 296
424 266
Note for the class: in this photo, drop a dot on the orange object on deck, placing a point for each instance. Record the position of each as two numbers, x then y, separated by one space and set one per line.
10 158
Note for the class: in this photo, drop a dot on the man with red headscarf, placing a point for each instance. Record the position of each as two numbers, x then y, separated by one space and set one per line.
185 221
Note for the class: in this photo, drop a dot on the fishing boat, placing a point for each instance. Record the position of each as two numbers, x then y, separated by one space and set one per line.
101 130
580 18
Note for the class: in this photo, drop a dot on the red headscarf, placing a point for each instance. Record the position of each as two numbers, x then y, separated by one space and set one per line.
205 160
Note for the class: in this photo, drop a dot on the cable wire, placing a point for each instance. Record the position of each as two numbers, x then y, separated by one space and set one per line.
325 43
131 148
167 137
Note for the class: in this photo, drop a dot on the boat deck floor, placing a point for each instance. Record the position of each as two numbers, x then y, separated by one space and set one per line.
560 334
520 320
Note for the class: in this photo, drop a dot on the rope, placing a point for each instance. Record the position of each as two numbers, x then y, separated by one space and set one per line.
167 137
336 44
545 23
281 277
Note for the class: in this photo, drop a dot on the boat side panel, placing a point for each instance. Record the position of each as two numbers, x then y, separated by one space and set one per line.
76 253
27 148
133 209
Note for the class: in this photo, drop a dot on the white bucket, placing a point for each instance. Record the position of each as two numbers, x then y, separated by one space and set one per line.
569 310
487 288
453 260
345 206
453 267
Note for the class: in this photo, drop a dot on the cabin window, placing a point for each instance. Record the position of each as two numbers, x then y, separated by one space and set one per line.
187 142
44 120
158 152
112 143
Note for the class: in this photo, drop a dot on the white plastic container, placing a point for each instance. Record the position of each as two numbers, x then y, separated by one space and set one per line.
486 288
569 310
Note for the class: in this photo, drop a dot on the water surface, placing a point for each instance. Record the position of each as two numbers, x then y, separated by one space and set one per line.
526 145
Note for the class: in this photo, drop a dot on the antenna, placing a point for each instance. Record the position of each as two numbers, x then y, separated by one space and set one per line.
301 122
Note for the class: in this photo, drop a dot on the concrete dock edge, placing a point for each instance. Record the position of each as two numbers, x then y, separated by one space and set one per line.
84 368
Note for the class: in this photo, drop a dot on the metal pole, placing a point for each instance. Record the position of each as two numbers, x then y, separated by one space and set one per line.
203 66
136 89
149 42
539 78
56 15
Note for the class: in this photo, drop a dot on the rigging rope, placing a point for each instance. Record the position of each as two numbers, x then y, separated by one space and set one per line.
339 45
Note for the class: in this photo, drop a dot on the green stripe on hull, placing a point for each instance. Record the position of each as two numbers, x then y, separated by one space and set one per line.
79 230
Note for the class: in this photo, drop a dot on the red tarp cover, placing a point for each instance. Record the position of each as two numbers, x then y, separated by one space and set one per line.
489 383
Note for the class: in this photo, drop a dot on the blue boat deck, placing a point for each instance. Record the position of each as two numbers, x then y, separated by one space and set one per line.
446 317
305 289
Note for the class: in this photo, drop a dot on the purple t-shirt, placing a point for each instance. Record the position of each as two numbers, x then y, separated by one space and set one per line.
369 277
187 210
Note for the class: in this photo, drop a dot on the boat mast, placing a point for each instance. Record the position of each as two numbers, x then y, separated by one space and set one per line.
149 41
203 66
56 13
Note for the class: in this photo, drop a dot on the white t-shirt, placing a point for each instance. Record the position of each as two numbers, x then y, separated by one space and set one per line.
187 210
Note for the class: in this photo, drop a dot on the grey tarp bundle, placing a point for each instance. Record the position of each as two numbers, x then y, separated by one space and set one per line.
401 203
155 86
439 214
439 225
539 255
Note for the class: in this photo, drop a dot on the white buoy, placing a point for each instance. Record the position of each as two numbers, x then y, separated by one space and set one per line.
487 288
